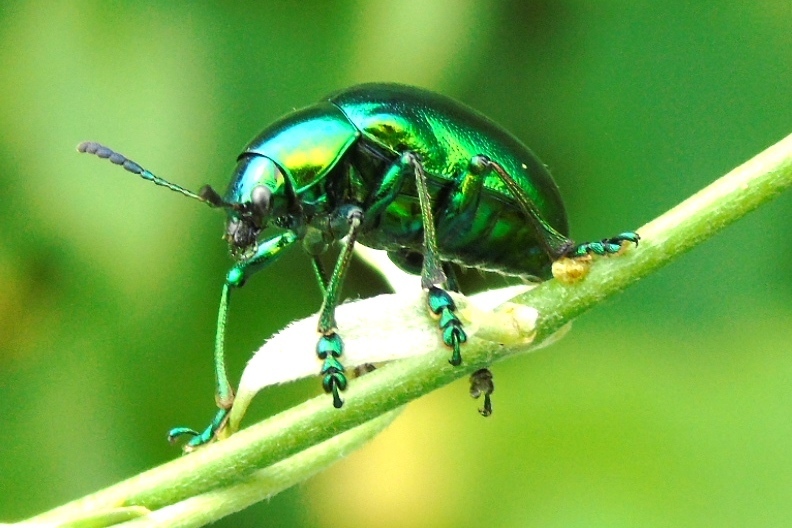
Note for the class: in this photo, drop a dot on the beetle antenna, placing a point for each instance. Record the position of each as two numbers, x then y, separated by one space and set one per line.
207 195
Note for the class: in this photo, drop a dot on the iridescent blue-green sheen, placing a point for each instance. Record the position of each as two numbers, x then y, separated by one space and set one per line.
392 167
362 130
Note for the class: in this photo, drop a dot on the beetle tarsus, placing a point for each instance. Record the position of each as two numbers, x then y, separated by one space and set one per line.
606 246
177 432
334 382
329 348
199 439
481 383
442 305
337 401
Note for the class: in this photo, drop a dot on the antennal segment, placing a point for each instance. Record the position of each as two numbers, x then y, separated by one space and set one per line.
207 195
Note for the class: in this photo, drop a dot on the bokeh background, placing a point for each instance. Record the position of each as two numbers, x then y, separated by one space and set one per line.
668 406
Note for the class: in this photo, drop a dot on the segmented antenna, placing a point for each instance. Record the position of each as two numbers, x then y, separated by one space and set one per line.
207 195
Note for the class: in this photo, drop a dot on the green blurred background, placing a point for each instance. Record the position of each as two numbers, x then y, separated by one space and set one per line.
668 406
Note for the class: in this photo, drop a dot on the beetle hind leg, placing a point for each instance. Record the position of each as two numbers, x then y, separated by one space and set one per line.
330 347
556 245
606 246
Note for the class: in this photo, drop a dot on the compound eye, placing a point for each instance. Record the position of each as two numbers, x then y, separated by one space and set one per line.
261 197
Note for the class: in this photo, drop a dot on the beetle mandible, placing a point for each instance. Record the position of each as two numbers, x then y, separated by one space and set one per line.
392 167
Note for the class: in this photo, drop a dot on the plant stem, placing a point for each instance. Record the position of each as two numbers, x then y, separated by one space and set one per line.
665 238
264 483
233 460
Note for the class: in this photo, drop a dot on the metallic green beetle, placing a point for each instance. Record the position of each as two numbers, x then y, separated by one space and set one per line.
402 169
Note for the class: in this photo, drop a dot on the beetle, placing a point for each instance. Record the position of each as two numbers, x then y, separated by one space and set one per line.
396 168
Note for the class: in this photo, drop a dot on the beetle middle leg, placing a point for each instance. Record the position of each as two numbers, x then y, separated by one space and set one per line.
432 275
330 346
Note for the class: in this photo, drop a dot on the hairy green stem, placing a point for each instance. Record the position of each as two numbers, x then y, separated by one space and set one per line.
234 460
264 483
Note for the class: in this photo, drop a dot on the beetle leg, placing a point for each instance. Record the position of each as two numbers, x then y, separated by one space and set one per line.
451 279
481 383
321 274
606 246
556 245
266 253
432 270
455 210
330 346
440 303
387 189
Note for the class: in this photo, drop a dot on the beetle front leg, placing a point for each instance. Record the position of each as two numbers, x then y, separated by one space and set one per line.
266 253
330 347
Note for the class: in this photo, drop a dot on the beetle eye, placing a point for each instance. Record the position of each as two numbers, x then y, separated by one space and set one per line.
260 198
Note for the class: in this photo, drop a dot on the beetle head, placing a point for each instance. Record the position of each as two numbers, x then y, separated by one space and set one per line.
259 195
